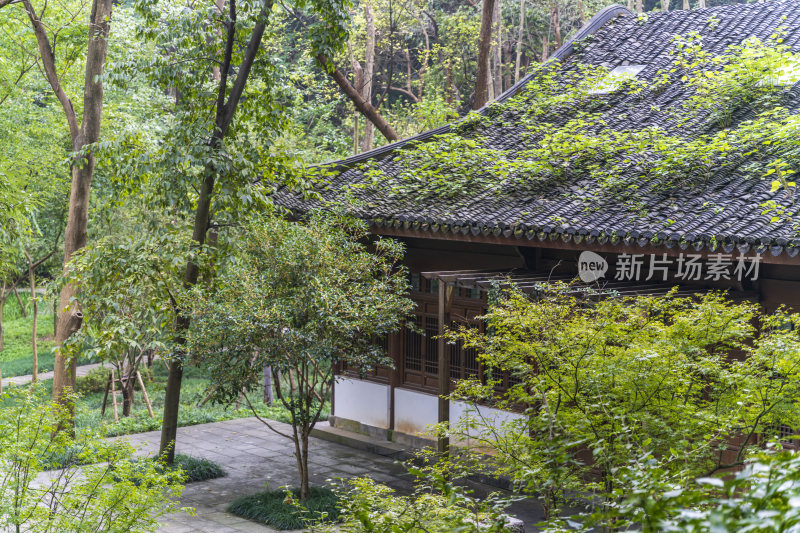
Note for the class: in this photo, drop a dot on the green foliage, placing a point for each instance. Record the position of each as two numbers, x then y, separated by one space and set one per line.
196 468
298 291
439 503
604 382
276 508
94 381
189 468
100 497
762 497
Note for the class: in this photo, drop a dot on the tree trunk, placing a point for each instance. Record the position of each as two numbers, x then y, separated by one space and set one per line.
582 11
268 399
518 61
369 74
304 466
484 50
34 333
686 5
87 133
127 394
226 109
3 298
497 50
556 17
701 4
365 108
22 306
664 5
639 7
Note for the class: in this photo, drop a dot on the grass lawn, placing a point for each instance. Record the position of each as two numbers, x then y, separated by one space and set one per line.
16 359
193 390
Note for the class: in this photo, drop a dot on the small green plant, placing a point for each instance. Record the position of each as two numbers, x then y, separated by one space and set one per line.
94 381
109 493
282 510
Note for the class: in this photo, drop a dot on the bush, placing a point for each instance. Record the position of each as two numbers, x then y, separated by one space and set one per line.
275 509
94 381
197 468
97 378
101 497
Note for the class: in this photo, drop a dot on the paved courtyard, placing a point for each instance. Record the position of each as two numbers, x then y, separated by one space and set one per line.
255 458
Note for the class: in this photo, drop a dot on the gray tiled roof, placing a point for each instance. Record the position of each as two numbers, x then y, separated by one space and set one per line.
724 211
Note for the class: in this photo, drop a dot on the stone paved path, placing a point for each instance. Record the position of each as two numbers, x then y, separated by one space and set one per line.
23 380
254 459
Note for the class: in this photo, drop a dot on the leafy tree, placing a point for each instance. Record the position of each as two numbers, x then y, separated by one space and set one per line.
114 493
301 298
604 382
57 28
129 285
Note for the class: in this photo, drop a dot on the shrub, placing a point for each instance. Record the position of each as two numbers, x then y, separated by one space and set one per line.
101 497
197 468
94 381
276 509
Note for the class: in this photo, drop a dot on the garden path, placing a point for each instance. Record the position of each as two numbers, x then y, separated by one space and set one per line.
255 458
24 380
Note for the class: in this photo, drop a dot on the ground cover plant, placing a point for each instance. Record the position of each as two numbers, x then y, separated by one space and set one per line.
282 509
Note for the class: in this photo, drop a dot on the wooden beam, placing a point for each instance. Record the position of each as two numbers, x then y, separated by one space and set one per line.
443 444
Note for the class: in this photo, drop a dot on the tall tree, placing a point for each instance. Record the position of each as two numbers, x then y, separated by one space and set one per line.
221 141
484 51
369 74
84 131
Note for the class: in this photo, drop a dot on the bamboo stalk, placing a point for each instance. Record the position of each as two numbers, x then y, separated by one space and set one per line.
114 396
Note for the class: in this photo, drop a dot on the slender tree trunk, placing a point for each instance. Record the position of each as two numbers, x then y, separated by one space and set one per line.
268 399
582 11
226 109
304 468
518 60
639 7
497 49
664 5
369 74
701 4
484 51
686 5
556 17
34 332
22 306
88 132
3 299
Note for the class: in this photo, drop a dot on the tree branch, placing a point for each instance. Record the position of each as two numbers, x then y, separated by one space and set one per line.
49 64
364 107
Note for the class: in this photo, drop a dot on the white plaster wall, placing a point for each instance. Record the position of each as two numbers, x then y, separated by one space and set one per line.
414 411
495 417
363 401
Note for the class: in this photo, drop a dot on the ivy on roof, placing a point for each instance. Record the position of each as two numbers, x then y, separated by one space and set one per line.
567 135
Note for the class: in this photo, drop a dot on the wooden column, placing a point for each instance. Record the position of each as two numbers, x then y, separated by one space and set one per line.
443 445
396 352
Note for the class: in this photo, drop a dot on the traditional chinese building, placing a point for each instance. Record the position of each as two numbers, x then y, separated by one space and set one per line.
618 217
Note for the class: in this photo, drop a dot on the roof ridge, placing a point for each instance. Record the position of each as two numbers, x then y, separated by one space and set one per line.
593 25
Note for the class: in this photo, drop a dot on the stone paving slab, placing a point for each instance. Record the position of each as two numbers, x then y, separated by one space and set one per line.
257 459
